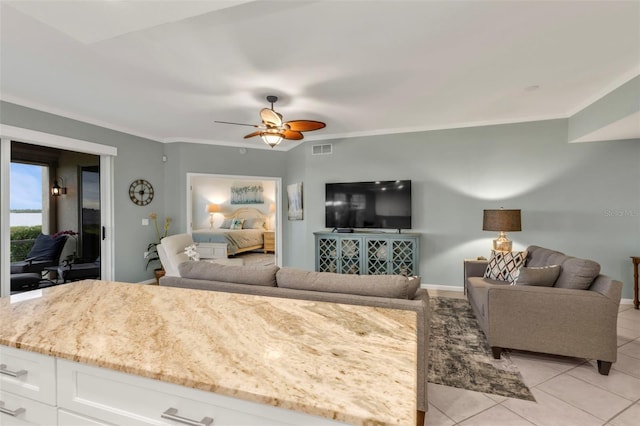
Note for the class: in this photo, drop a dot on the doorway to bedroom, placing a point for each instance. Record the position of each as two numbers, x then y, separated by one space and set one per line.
236 217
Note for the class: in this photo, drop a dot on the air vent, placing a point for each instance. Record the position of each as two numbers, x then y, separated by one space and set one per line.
321 149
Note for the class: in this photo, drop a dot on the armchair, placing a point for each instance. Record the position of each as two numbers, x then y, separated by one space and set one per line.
171 252
46 251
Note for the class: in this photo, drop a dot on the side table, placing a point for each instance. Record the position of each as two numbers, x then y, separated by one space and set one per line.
636 261
474 266
269 241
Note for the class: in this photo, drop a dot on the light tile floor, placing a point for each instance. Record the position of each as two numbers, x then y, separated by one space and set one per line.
568 391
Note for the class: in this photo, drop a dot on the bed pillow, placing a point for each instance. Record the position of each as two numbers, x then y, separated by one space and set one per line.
236 224
226 223
253 223
503 265
539 276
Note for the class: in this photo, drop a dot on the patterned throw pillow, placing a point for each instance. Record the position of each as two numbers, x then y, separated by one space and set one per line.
503 265
236 224
226 223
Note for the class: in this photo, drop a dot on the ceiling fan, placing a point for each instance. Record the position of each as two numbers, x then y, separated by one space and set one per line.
273 129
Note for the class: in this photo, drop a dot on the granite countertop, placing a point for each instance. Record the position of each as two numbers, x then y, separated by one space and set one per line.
355 364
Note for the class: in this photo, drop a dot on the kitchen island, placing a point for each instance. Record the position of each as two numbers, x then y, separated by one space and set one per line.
284 361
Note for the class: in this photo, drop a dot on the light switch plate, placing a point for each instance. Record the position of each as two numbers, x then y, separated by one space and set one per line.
145 222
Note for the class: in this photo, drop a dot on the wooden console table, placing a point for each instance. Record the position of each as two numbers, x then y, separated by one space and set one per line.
635 260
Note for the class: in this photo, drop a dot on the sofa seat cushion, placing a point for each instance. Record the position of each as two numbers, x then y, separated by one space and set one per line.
503 265
391 286
253 275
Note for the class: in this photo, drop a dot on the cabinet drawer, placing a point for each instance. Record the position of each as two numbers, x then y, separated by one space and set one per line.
28 374
66 418
29 412
120 398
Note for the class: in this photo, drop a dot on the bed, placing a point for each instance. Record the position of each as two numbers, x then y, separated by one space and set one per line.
249 237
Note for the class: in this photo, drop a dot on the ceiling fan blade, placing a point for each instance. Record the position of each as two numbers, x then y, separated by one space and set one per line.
250 135
270 117
237 124
305 125
292 135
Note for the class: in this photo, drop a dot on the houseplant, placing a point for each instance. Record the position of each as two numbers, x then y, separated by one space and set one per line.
152 249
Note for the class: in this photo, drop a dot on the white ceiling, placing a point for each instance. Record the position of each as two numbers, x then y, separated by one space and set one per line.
166 70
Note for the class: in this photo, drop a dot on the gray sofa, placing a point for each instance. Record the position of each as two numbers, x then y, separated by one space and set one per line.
385 291
574 314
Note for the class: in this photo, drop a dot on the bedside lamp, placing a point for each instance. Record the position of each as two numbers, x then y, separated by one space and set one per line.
212 209
272 210
502 221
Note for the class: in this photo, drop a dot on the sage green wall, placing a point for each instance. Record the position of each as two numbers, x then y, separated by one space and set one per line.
582 199
183 158
137 158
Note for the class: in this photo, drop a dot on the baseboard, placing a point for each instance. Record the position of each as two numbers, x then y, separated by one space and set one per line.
442 287
151 281
626 301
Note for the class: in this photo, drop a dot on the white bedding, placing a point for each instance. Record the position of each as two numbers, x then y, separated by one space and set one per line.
237 239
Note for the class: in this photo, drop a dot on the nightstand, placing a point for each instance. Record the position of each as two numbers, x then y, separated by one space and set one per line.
269 241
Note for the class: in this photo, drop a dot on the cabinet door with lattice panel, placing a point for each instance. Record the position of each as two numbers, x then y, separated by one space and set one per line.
403 257
378 257
327 258
350 256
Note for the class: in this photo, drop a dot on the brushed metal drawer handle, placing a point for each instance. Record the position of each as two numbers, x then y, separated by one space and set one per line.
12 413
3 370
172 414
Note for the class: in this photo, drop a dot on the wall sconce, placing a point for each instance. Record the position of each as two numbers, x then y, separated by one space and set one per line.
212 209
502 221
57 190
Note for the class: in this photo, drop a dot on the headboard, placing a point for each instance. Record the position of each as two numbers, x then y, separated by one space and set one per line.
247 213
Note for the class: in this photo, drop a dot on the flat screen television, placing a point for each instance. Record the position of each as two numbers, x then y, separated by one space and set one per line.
380 204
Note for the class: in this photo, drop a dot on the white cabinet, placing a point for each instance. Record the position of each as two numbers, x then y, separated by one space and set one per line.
119 398
37 389
27 388
66 418
212 250
28 374
17 410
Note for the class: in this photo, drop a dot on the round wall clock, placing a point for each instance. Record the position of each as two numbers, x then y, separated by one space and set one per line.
141 192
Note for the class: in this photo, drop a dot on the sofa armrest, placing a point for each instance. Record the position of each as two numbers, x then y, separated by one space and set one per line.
568 322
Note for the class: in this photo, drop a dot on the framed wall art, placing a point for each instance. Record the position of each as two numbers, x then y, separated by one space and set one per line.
247 193
294 196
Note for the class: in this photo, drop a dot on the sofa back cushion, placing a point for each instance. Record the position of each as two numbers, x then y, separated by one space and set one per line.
391 286
253 275
575 273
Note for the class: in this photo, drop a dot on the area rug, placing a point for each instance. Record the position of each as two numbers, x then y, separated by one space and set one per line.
461 357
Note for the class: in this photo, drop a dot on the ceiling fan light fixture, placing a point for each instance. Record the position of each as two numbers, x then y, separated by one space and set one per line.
272 137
